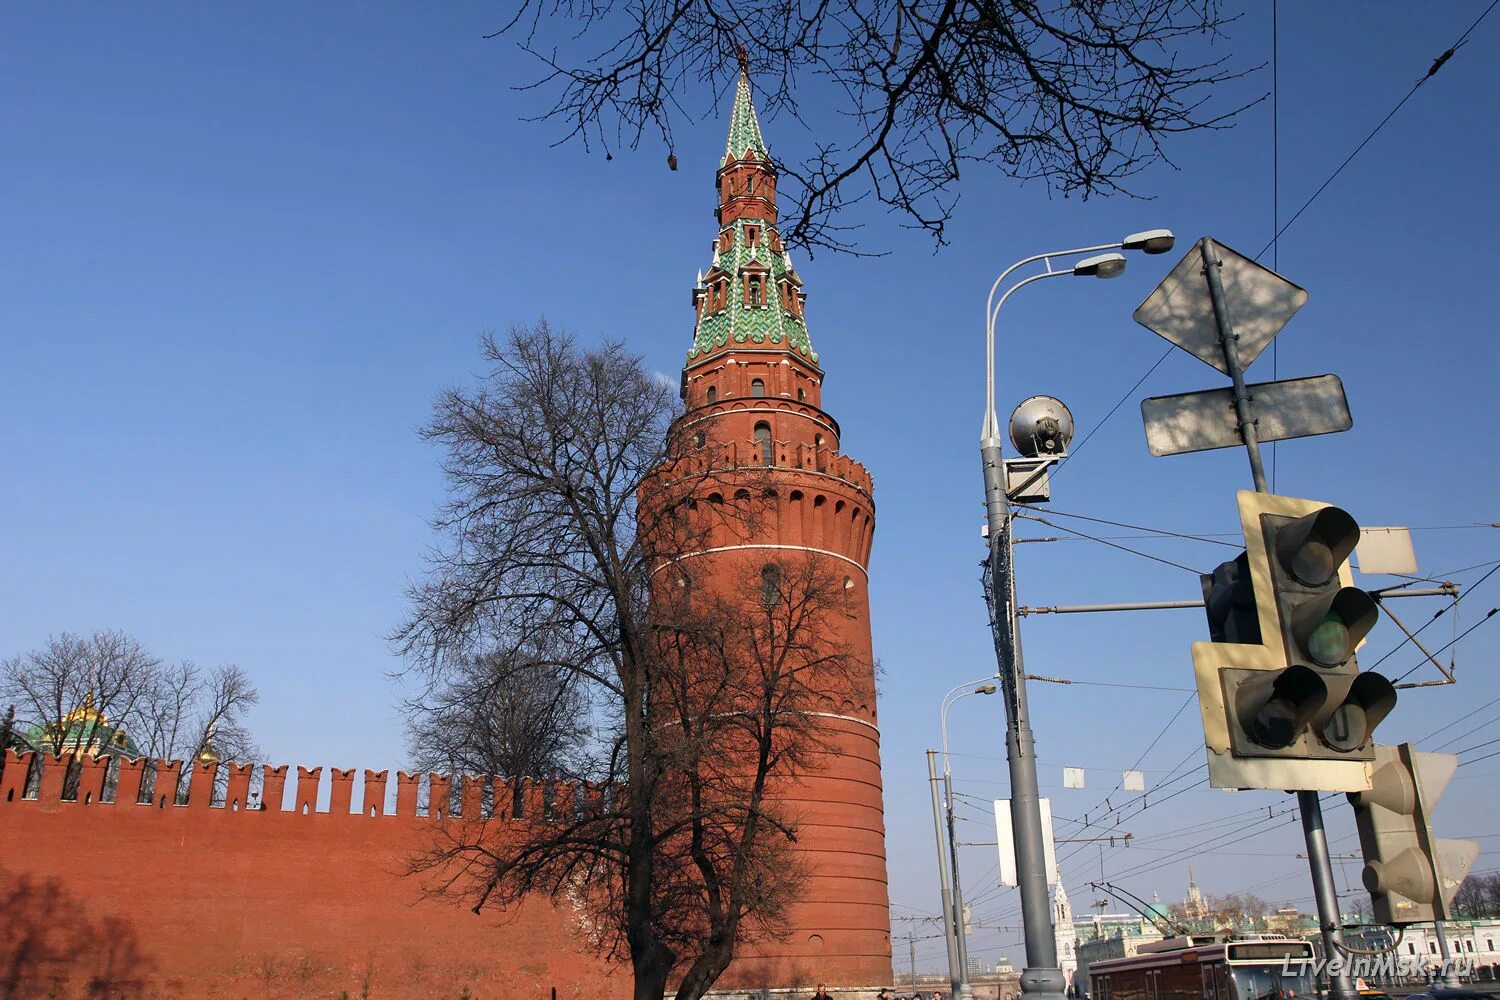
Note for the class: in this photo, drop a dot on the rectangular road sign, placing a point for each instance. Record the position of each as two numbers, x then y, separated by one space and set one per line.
1201 421
1258 303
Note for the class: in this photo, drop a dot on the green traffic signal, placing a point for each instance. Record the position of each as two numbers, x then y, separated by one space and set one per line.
1329 642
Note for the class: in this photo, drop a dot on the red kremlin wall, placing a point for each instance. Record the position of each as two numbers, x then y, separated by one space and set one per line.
213 899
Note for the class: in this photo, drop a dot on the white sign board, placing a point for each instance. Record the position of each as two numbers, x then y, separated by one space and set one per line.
1005 839
1200 421
1385 550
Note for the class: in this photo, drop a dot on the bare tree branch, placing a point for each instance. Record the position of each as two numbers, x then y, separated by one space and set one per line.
1079 96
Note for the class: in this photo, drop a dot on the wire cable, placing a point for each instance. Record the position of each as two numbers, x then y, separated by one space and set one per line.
1113 545
1437 64
1451 642
1152 532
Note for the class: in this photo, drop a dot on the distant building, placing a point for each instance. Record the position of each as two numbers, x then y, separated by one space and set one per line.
1066 936
1194 907
1109 935
84 730
1474 940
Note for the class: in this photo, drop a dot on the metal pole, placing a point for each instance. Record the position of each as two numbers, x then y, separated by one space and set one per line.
1448 974
1340 986
1446 590
911 941
963 991
1230 345
1041 979
937 828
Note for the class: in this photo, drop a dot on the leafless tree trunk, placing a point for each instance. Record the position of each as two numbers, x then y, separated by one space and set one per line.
567 491
1077 95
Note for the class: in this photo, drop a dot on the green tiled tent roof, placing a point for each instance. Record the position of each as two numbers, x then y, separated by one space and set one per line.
744 127
772 323
740 324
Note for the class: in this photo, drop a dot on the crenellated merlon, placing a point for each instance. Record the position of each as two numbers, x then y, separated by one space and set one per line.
32 780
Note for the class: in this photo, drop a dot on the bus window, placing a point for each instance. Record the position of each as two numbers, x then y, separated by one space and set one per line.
1210 988
1268 982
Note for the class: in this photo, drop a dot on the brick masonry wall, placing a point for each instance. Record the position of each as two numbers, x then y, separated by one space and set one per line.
206 900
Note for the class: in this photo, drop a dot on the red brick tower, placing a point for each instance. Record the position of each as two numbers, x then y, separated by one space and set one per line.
753 389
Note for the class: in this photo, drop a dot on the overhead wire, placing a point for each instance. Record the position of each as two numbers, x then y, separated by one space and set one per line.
1280 231
1450 643
1113 545
1162 532
1436 615
1437 64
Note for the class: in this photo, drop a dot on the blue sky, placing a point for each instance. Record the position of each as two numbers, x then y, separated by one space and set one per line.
246 247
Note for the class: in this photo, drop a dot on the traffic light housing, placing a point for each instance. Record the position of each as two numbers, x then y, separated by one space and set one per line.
1284 703
1411 874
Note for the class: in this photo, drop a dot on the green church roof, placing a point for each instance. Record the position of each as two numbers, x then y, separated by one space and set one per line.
87 734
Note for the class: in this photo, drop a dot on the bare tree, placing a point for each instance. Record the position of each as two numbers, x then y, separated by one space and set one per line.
79 691
188 714
503 713
567 491
1479 895
1077 95
105 694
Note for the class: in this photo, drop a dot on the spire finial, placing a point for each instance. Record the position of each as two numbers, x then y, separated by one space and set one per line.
744 58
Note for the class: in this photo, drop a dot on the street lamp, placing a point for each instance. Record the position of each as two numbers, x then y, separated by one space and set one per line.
961 990
1041 979
1152 241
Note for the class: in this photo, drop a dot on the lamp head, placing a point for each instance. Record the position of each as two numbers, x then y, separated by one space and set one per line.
1105 265
1041 425
985 689
1150 241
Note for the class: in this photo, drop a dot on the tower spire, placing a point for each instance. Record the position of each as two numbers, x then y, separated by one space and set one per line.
744 126
752 296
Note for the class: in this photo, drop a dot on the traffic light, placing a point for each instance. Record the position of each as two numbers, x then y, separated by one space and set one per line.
1411 874
1284 703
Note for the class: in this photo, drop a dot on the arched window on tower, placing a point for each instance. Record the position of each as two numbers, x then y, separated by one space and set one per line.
755 290
770 585
757 387
713 394
764 443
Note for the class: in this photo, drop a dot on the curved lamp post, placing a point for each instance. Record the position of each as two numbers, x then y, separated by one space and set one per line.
1041 979
961 989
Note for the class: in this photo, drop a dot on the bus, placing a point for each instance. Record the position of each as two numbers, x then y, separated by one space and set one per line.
1255 967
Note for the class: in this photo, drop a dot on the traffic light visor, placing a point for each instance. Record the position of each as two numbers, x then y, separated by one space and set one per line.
1329 629
1274 708
1314 546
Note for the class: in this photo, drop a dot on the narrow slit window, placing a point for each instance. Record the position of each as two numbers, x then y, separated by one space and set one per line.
764 443
770 585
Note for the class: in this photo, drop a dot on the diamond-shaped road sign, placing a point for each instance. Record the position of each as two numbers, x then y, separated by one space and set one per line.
1259 302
